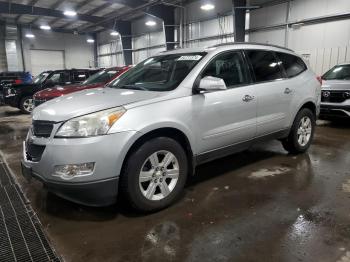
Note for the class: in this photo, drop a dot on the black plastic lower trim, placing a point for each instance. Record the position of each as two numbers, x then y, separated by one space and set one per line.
95 193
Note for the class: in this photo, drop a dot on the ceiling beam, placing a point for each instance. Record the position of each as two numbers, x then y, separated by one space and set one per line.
77 7
91 12
54 6
32 3
20 9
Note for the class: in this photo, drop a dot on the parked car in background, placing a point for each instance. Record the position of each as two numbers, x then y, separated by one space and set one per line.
148 130
335 103
21 95
97 80
11 78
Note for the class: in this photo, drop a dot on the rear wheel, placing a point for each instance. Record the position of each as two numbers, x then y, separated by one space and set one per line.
155 174
301 133
26 104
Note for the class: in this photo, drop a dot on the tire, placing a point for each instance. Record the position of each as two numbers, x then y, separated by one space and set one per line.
139 194
26 105
294 143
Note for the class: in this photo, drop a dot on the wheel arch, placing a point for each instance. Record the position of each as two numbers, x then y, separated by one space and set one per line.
170 132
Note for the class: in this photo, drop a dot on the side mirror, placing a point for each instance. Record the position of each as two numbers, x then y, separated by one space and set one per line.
210 84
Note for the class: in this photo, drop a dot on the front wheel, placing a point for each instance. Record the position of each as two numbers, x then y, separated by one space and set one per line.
301 133
155 174
26 104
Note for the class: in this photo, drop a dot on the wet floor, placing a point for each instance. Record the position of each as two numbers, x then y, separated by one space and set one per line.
259 205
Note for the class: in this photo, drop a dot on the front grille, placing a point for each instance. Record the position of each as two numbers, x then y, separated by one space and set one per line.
34 152
38 102
42 128
335 96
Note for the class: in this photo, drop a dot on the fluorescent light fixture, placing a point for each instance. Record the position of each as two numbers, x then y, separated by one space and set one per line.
115 33
70 13
151 23
207 7
30 35
90 40
45 27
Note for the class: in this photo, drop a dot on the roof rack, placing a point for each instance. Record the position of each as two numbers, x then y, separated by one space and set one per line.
252 43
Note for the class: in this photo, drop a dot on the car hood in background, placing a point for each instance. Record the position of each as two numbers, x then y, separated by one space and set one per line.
64 90
88 101
336 84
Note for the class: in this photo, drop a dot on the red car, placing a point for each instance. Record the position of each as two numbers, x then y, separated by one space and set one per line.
97 80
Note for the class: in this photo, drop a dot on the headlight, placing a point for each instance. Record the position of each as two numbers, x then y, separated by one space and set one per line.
91 125
10 91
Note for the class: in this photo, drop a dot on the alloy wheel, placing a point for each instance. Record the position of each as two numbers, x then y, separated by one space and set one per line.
304 131
28 105
159 175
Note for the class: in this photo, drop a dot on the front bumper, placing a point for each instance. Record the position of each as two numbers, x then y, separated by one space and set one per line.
11 100
98 189
329 111
95 193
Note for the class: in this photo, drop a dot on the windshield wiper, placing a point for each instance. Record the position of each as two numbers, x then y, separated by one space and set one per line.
133 87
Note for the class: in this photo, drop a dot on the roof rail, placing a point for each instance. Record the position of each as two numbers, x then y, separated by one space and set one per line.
252 43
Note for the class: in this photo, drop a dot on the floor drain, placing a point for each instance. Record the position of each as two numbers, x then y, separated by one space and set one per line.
21 235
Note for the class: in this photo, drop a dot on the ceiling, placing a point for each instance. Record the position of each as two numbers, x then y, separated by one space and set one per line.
97 9
90 12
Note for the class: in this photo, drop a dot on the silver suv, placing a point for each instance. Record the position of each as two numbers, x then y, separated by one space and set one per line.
335 102
146 132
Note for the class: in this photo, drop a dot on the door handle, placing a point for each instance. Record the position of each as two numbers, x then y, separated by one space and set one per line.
287 90
248 98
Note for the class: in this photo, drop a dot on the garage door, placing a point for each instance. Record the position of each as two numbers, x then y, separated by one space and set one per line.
42 60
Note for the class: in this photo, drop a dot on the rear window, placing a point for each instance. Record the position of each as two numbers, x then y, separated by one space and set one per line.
339 72
292 64
264 65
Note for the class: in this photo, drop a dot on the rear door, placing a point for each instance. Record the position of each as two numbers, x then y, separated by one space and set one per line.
272 91
225 118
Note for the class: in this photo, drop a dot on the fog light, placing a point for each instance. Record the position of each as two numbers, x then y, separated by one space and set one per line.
68 172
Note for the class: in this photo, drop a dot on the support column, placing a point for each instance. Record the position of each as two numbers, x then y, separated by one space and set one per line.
167 14
239 12
124 28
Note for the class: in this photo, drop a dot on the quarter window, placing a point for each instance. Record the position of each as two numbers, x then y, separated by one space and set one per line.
292 64
230 67
265 66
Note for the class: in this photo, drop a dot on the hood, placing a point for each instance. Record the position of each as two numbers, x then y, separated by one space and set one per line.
63 90
336 84
88 101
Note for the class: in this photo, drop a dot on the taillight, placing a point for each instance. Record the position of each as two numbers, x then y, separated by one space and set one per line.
18 81
319 79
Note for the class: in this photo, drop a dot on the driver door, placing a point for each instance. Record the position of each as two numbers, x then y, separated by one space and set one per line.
226 118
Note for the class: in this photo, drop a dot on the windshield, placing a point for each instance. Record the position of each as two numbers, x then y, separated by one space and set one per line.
341 72
160 73
40 78
103 76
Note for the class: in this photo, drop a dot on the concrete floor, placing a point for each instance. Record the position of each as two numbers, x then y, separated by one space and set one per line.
260 205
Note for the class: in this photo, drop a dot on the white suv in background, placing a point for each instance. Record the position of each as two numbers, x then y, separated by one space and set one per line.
145 133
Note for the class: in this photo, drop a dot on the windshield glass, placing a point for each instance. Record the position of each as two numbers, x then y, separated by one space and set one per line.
103 76
341 72
160 73
40 78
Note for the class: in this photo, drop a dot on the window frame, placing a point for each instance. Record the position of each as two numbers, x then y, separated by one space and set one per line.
284 69
283 72
245 62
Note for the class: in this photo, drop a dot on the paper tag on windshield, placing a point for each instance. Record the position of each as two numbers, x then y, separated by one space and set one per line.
189 58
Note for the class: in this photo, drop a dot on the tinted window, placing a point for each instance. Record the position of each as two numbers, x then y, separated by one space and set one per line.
265 65
230 67
80 76
59 78
293 65
340 72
